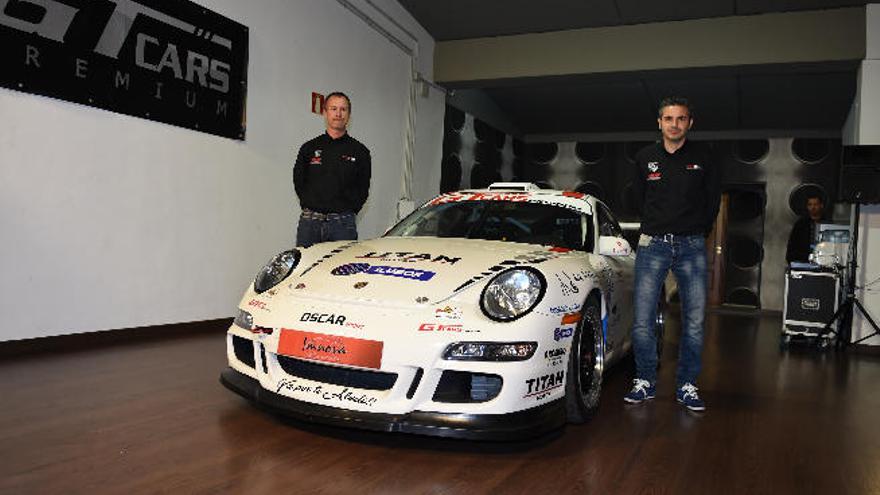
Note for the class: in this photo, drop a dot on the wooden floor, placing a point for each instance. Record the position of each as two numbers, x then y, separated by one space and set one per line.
151 417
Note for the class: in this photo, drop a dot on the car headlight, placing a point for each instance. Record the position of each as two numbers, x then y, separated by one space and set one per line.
512 293
276 270
490 351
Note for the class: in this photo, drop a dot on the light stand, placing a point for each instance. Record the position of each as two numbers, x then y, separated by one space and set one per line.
845 312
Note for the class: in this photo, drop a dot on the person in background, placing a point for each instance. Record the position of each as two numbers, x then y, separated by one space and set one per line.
331 177
679 190
803 232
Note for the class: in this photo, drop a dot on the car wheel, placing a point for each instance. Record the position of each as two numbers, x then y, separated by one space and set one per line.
585 365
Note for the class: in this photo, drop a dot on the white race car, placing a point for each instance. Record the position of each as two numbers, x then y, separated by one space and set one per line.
485 314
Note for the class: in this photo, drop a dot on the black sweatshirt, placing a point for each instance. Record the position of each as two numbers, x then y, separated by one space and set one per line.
332 175
678 193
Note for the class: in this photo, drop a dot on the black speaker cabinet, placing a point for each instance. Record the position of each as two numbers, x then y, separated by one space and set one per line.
860 174
810 297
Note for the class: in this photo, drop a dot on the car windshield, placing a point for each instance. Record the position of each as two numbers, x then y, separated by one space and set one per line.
512 221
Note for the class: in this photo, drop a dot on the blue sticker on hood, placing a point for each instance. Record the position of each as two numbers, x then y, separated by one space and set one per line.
390 271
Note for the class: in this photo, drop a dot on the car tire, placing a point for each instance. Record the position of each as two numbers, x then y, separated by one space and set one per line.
585 365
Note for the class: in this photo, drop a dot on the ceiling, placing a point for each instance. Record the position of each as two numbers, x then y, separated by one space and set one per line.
781 97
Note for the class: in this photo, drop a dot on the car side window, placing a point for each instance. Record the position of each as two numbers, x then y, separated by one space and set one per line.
608 226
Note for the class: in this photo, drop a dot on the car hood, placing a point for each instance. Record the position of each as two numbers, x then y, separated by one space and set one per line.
402 270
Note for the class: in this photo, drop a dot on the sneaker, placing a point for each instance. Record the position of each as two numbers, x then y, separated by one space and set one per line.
642 390
687 395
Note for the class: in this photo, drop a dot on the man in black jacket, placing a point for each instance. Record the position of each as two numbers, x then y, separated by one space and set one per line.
803 233
679 191
332 178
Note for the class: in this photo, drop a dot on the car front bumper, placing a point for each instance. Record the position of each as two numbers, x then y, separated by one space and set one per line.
528 423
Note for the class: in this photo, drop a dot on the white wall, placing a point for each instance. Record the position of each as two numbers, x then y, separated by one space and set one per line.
110 221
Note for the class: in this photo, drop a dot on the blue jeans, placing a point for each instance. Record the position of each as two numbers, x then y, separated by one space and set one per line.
686 256
315 228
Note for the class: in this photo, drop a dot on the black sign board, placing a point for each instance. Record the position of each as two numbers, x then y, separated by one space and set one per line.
170 61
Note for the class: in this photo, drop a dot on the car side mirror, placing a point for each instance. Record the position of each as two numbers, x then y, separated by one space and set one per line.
614 246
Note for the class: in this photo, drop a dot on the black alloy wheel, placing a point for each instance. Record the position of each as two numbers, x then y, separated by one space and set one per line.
585 365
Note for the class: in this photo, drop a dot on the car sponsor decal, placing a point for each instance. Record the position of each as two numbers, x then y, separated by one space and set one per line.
330 348
438 327
564 308
562 333
408 257
390 271
555 357
570 318
479 196
258 304
323 318
542 385
325 392
447 313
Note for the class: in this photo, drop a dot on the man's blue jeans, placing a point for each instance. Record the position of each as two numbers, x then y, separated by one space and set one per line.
686 256
316 227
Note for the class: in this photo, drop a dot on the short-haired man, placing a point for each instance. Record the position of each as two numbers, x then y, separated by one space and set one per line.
803 233
679 192
331 177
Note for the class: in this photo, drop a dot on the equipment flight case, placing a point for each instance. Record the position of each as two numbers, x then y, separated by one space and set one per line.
811 299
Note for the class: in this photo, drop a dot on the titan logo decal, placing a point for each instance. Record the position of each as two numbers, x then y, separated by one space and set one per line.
410 257
173 62
545 383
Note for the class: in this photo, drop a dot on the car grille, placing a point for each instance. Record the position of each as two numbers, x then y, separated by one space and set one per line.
244 350
346 377
464 387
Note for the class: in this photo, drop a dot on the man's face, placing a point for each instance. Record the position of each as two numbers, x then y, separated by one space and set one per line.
814 208
336 113
675 122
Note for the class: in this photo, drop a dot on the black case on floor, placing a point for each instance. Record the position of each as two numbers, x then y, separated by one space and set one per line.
811 298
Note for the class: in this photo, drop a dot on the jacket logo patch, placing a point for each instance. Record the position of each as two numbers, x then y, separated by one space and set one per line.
653 166
655 176
348 158
693 166
316 159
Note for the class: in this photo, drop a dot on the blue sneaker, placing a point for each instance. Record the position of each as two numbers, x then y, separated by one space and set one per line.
642 390
687 395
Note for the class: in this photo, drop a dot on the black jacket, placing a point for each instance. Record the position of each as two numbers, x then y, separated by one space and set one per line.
677 193
332 175
800 241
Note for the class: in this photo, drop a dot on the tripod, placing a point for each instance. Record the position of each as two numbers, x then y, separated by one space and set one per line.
845 312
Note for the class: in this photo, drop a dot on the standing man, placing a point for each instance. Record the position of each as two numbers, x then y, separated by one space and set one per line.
679 191
803 233
332 178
